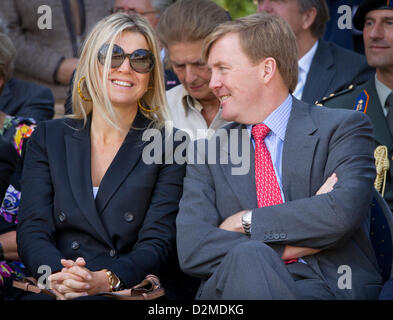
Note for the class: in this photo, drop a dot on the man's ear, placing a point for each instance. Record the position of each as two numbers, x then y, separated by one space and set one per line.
268 69
309 17
1 84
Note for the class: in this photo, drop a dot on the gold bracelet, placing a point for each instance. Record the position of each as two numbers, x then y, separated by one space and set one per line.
111 279
114 282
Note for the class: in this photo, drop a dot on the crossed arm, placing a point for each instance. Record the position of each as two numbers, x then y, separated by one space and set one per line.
234 223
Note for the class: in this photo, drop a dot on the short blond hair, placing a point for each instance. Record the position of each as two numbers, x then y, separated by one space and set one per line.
262 36
189 21
107 31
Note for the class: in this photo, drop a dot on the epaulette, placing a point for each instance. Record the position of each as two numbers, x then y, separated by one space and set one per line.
332 95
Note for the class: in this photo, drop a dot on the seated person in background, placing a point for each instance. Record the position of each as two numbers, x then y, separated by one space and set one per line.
375 97
267 230
48 35
8 160
323 67
22 105
92 209
20 98
182 29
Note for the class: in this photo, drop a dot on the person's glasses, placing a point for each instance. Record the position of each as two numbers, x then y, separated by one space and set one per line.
141 60
130 11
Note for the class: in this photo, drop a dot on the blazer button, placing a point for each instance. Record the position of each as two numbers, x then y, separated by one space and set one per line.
62 216
112 253
128 216
75 245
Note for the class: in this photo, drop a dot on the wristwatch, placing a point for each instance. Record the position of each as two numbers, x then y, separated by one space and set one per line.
114 282
246 221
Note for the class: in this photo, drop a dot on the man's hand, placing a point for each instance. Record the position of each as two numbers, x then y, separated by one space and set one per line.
2 117
234 222
65 70
8 242
328 185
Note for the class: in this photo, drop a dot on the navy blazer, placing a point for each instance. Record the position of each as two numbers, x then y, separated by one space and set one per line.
334 68
26 99
129 228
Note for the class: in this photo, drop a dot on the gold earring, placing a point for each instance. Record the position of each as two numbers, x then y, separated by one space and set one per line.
80 91
145 109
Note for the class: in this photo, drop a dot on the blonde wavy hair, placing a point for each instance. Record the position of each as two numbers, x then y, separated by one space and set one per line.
107 31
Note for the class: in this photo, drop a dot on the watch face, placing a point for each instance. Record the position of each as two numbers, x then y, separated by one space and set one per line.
247 217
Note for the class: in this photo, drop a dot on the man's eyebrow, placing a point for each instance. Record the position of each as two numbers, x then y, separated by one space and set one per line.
176 62
198 62
218 64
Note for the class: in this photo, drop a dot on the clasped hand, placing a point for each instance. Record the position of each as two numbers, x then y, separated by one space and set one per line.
75 280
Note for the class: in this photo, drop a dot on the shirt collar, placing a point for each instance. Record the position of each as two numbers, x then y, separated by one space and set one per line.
277 121
189 102
383 91
305 61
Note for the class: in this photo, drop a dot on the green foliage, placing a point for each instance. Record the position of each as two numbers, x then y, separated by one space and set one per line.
237 8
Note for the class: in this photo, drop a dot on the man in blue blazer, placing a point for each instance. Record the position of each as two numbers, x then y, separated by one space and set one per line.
272 232
25 99
323 67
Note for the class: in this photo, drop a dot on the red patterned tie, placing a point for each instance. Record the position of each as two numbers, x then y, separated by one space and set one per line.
268 189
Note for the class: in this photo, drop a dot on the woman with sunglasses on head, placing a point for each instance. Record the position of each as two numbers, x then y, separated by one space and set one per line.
92 209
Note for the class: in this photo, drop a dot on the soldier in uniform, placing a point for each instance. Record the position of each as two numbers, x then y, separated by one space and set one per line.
375 97
323 67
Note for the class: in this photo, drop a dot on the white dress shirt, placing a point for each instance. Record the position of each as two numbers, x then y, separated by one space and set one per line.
185 112
304 67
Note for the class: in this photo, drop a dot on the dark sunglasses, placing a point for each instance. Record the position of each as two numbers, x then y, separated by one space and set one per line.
141 60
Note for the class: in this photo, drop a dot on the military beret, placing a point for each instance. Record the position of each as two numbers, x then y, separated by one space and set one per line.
366 6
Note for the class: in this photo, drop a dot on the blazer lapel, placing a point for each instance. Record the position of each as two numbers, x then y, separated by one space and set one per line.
242 184
124 162
322 69
79 172
298 152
